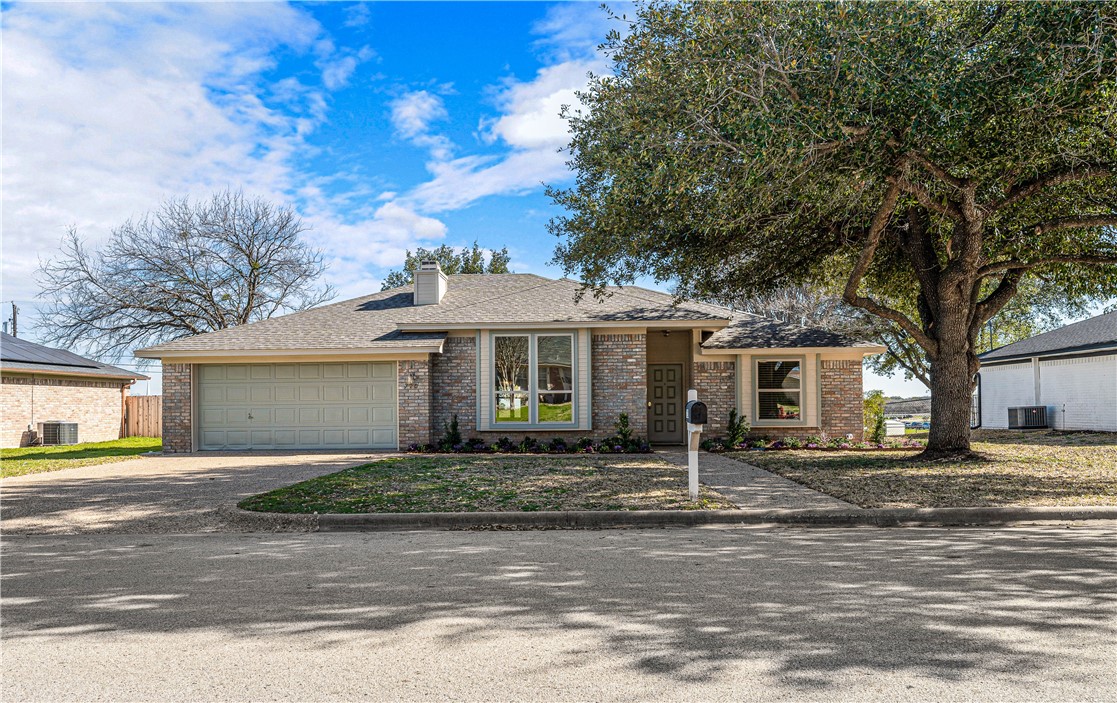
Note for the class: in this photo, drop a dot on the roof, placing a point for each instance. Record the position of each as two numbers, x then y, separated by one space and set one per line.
389 321
27 357
747 331
1096 333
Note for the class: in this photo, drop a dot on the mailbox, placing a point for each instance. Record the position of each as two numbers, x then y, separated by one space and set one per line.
695 412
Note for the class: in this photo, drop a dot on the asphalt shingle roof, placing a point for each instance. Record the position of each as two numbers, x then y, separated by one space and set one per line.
754 332
382 320
1098 331
27 357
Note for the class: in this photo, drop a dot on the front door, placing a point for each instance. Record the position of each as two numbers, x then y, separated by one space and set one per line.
665 403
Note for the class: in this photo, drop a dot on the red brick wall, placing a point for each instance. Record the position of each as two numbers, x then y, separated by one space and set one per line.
716 383
96 405
414 386
178 419
620 382
454 387
842 409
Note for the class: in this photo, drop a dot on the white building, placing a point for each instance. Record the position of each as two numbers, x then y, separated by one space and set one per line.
1071 372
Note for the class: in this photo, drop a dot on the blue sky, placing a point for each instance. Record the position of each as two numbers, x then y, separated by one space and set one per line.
388 125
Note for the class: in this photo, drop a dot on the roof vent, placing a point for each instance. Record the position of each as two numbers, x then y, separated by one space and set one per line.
430 283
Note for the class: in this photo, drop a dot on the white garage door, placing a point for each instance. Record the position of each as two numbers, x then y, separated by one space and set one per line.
297 406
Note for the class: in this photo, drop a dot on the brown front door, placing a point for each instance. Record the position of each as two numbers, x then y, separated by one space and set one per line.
665 403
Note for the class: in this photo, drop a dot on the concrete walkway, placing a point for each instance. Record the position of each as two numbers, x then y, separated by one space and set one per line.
749 486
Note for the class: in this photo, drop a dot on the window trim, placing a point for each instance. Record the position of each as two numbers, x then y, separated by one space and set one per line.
533 381
757 421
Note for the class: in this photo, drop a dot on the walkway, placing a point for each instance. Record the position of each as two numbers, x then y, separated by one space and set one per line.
751 487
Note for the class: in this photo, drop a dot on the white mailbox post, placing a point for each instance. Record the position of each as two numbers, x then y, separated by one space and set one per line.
695 421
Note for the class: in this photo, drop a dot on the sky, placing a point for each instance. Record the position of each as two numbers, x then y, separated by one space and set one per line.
388 126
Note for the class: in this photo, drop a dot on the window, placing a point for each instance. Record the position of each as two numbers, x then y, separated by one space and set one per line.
533 379
779 391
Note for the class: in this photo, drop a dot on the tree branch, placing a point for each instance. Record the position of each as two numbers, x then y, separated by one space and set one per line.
1109 220
1011 265
868 251
1047 180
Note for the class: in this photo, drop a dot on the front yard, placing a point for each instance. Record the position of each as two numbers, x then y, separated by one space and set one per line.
493 483
34 460
1024 468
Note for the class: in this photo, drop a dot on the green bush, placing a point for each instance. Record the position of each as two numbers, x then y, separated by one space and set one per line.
874 415
736 430
624 431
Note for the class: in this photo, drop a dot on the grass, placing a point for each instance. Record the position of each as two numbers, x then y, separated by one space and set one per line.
557 412
35 460
1022 468
492 483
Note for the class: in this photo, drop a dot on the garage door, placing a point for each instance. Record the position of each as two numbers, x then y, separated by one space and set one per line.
297 406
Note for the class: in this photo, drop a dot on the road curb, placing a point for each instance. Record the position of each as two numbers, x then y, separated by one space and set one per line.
586 519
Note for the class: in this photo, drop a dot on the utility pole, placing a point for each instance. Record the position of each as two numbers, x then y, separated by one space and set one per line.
15 320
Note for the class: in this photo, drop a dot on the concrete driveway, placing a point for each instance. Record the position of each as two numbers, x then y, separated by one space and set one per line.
158 494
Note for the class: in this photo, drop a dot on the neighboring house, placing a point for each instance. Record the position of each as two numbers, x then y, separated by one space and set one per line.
509 354
1072 371
39 384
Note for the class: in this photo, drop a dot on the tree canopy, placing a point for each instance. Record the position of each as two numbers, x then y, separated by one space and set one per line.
188 267
452 260
931 155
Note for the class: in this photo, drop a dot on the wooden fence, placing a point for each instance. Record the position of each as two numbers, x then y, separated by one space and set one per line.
143 416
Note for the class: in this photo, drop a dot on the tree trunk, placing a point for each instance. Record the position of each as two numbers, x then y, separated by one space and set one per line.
951 395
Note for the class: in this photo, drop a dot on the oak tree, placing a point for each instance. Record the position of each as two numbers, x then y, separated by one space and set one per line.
934 155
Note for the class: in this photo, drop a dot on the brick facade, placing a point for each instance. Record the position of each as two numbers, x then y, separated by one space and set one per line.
716 383
842 406
414 388
454 386
178 415
620 382
96 405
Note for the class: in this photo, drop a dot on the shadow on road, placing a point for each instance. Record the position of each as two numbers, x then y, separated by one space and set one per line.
689 606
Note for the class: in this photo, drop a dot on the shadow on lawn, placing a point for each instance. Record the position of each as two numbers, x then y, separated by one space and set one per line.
818 606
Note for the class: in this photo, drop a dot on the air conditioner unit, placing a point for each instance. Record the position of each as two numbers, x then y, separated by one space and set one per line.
1027 417
58 432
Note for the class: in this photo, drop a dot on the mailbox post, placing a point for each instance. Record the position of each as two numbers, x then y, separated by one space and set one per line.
695 421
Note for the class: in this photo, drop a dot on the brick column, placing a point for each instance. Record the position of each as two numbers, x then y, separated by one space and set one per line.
620 382
178 401
414 384
454 386
716 383
842 412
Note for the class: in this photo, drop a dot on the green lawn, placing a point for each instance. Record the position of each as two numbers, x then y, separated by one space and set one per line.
558 412
1021 468
34 460
492 483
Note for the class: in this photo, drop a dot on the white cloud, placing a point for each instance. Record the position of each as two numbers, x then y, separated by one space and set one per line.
110 108
528 125
413 114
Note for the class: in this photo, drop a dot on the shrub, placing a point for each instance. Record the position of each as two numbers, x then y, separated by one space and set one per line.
736 430
874 415
624 431
792 442
451 435
529 445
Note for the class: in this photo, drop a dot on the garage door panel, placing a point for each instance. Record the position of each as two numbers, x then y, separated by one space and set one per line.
336 405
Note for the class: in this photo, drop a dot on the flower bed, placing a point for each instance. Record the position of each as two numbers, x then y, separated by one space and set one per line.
813 443
530 445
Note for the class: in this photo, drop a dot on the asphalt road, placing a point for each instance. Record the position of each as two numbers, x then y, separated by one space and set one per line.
865 614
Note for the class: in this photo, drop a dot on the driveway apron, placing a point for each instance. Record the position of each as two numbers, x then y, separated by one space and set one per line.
157 494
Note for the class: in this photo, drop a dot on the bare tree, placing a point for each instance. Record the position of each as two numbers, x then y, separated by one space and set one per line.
184 269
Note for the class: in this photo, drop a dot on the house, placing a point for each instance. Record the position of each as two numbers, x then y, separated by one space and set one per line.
39 384
509 355
1071 371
